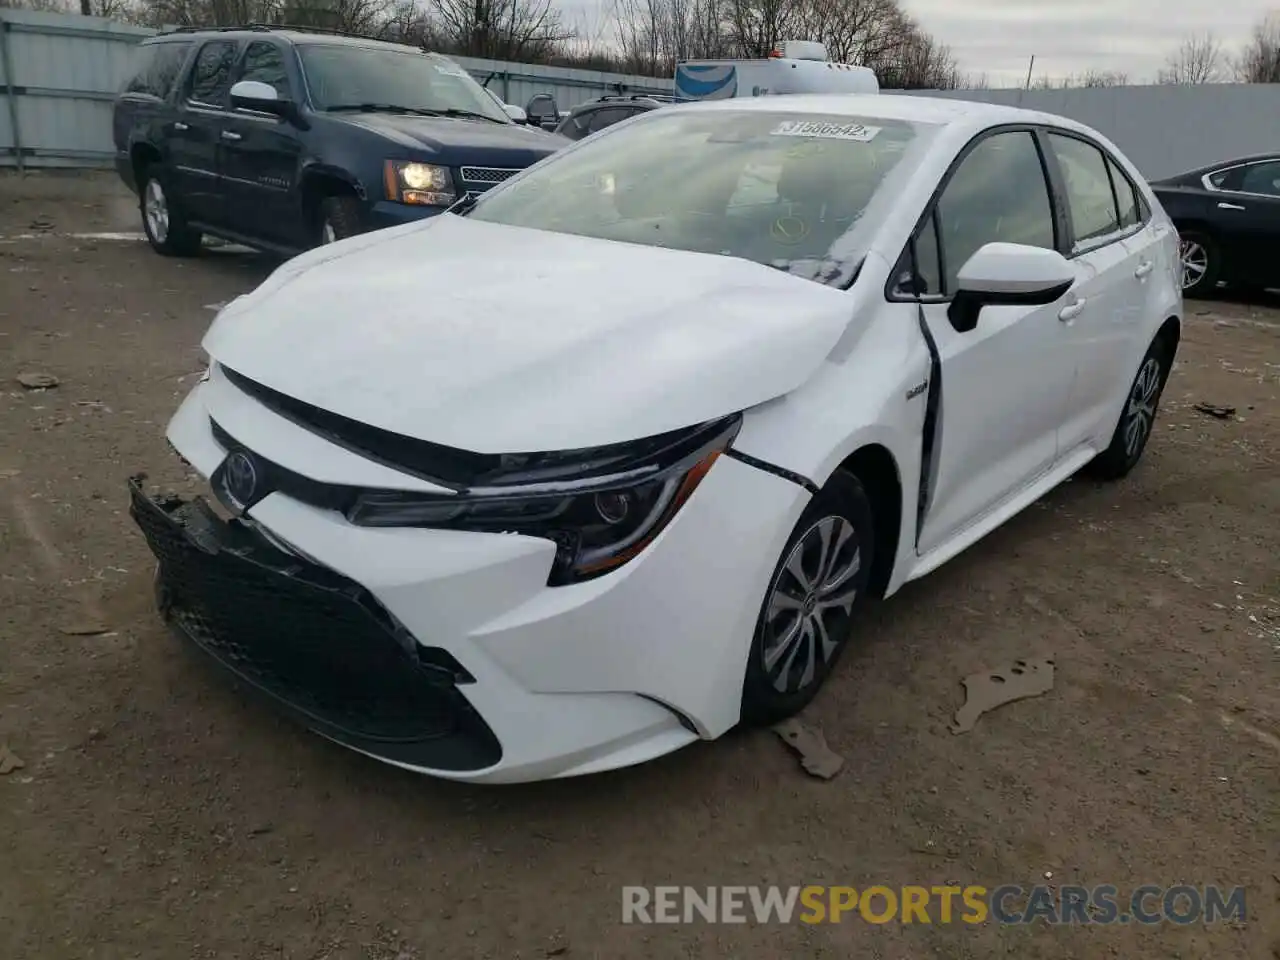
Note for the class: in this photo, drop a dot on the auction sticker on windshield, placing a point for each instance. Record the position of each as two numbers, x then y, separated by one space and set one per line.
827 131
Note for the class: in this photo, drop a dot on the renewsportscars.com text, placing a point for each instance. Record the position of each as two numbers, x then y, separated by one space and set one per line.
973 904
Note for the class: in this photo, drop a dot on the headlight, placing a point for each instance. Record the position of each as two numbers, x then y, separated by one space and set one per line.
601 507
423 184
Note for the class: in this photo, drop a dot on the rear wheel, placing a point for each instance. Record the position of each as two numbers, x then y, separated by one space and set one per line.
162 218
1200 263
1139 415
817 588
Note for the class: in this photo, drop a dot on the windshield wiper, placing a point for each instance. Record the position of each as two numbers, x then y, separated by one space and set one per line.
468 114
397 108
380 108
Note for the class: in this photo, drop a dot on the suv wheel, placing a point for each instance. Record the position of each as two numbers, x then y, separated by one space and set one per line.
164 223
340 217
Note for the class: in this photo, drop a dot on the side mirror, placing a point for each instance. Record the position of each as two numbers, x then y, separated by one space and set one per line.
256 95
515 113
1008 274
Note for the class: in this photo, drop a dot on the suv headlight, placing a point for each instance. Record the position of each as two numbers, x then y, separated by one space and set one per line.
421 184
601 506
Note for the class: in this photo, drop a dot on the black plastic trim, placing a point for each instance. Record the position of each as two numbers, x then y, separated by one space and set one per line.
929 433
782 472
444 732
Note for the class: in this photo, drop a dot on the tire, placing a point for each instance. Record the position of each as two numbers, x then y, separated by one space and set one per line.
340 217
1137 419
799 636
162 218
1200 261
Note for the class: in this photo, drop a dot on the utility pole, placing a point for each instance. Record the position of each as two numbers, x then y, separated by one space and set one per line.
1031 66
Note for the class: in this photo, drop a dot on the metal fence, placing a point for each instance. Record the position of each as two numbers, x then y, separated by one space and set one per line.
59 74
1165 129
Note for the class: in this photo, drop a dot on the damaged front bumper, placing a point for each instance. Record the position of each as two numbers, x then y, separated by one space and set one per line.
317 644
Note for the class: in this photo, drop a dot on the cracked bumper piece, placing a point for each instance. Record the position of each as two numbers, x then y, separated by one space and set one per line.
445 651
316 643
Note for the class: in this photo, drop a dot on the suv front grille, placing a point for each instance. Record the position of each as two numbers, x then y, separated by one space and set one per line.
487 175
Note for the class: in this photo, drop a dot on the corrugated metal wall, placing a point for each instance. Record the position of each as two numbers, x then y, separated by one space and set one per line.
517 82
1163 129
59 74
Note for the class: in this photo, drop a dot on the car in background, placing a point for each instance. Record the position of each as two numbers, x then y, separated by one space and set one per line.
594 115
1228 218
283 139
818 346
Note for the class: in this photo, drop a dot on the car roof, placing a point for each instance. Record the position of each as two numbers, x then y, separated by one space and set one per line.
300 37
942 111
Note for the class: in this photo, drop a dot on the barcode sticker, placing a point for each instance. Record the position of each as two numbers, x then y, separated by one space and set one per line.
827 131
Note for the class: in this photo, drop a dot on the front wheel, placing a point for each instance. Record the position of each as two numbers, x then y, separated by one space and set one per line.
808 612
340 217
1200 262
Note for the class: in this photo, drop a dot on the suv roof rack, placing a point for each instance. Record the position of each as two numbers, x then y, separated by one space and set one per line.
259 27
659 97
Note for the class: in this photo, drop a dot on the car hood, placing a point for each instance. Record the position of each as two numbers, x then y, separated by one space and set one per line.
443 136
501 339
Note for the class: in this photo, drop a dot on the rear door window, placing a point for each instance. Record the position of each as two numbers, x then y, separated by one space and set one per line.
211 75
264 62
156 67
1128 202
1089 195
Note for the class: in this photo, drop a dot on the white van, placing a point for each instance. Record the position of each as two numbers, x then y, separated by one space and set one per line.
798 66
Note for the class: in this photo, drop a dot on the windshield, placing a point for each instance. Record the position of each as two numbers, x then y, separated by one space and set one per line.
799 192
350 76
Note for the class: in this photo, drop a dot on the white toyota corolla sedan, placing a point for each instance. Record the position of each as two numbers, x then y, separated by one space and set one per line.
608 460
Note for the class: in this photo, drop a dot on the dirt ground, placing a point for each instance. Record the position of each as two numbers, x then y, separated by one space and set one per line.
160 814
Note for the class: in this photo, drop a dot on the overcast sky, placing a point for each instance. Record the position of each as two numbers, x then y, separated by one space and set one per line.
997 37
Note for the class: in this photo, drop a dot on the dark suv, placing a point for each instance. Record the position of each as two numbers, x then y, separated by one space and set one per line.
283 139
595 115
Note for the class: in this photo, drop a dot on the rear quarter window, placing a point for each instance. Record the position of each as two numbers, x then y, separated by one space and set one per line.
156 67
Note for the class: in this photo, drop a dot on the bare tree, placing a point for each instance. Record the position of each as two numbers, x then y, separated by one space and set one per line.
1100 78
1259 61
1198 59
523 30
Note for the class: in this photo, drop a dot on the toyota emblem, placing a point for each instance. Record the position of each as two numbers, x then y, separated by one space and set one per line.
241 477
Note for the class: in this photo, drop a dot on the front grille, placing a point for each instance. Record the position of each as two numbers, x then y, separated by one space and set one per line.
488 175
313 640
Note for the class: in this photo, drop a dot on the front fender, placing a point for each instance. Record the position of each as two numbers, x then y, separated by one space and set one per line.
870 394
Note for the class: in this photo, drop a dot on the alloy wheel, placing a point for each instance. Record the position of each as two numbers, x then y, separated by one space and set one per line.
1195 262
810 603
155 209
1142 407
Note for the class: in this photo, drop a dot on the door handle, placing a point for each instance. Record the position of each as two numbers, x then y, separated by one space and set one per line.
231 135
180 126
1229 206
1072 310
1145 267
